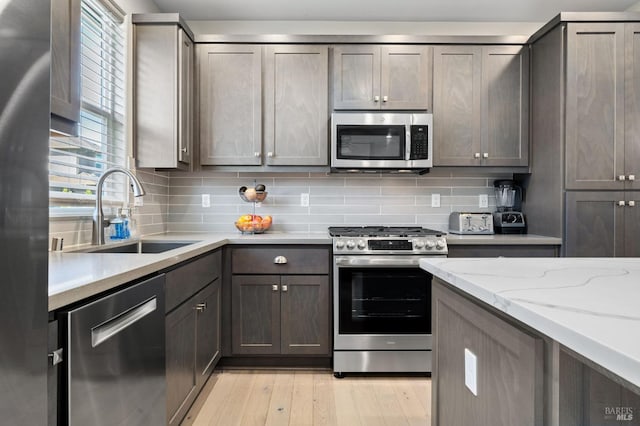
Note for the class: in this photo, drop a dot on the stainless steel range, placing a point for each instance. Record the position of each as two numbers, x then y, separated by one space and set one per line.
382 299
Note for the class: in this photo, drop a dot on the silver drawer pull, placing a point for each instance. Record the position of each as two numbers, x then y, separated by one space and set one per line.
280 260
376 98
631 177
622 203
476 155
200 307
631 203
485 155
115 325
622 177
285 288
274 287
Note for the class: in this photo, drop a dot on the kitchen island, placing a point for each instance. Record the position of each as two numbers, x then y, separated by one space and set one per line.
536 341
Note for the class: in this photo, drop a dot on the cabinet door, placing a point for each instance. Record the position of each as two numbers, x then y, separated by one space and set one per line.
632 105
305 315
207 331
456 105
405 77
594 224
230 99
632 224
156 94
595 106
296 112
180 353
65 62
255 314
505 106
185 97
356 77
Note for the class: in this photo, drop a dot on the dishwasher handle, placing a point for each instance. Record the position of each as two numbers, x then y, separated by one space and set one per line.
123 320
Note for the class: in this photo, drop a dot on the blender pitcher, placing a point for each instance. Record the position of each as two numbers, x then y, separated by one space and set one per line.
508 195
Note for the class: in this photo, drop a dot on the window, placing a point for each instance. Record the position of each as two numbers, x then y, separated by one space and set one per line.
76 163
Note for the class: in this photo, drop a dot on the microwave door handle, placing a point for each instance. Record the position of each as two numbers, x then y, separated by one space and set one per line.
407 141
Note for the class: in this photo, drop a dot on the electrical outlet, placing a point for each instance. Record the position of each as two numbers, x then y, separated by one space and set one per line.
483 201
304 199
206 200
435 200
471 371
138 201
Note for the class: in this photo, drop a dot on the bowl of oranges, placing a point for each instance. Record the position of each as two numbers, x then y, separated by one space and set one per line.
253 223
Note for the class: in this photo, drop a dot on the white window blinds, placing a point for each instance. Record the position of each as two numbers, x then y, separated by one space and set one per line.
75 163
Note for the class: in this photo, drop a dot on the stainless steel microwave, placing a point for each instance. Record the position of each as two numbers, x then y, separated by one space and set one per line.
377 141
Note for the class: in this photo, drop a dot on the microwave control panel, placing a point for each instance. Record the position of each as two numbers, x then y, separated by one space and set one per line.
419 142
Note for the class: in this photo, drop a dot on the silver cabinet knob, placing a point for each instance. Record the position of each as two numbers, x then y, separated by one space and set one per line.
385 98
256 154
280 260
476 155
631 177
200 307
485 155
285 288
621 177
274 287
621 203
269 154
376 98
184 150
631 203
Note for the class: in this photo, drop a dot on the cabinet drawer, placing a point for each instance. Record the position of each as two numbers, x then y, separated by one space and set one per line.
185 281
261 260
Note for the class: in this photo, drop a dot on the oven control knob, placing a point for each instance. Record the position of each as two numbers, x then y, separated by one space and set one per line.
419 244
362 245
430 244
339 244
440 244
351 244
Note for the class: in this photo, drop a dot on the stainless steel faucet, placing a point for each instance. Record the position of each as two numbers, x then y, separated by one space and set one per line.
99 222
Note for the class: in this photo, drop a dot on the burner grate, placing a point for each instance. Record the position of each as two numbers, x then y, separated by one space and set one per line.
381 231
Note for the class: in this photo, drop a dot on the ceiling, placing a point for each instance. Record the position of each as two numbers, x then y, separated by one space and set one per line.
387 10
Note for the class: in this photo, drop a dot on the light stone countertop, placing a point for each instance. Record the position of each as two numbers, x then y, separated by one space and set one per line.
502 239
74 276
589 305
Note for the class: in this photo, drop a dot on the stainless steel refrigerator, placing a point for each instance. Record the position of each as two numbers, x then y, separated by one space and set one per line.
24 132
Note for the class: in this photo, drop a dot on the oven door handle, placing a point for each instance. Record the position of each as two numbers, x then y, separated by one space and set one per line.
378 261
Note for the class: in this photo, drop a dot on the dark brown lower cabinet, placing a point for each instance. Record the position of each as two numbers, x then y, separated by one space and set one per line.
504 250
193 348
509 366
603 223
280 314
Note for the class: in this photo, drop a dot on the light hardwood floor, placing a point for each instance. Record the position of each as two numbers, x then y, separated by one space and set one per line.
297 398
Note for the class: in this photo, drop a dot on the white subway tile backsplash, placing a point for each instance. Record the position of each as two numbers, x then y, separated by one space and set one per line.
334 199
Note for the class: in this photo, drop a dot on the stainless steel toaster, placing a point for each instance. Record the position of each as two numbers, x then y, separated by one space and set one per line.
469 223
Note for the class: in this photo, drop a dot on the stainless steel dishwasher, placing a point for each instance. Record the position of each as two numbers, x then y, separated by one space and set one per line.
116 358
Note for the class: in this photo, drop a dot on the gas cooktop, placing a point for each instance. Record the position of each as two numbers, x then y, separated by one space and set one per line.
381 231
388 240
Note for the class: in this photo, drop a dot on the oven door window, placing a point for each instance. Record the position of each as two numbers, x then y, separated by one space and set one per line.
371 142
384 301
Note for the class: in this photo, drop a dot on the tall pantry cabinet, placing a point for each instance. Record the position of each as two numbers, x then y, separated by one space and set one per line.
585 125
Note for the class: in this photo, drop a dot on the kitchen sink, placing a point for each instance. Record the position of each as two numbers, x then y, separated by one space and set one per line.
140 247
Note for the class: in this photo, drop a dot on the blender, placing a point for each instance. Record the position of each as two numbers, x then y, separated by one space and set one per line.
508 219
